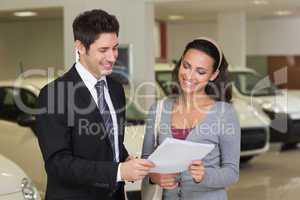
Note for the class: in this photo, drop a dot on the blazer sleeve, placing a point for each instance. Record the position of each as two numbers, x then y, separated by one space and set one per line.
125 152
54 136
123 107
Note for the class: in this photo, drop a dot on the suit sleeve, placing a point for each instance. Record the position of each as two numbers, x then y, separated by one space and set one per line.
124 150
54 136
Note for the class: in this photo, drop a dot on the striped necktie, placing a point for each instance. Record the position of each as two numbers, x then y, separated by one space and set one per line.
105 113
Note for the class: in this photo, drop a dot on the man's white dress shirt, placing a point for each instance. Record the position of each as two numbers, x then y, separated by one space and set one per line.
90 82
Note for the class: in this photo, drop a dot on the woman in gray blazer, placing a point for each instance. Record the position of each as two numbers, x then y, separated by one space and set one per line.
202 113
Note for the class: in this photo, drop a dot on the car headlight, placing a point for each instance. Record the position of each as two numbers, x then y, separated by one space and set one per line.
267 106
29 190
271 107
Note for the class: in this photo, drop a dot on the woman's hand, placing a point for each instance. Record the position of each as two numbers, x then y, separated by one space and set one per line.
166 181
196 170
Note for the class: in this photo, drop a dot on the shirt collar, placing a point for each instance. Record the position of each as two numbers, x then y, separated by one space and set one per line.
86 76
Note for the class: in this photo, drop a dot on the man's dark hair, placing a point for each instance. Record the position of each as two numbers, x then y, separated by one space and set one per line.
88 26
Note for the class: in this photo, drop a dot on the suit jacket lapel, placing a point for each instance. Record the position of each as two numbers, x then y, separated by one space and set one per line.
115 98
84 98
83 95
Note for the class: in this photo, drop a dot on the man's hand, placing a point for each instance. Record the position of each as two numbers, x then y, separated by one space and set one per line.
130 158
196 170
166 181
135 169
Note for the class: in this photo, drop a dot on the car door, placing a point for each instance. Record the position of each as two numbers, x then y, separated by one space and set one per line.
17 142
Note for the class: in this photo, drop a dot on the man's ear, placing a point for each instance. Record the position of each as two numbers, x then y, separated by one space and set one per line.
80 47
215 75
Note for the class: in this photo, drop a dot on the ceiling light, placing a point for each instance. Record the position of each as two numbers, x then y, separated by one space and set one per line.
260 2
25 14
283 12
175 17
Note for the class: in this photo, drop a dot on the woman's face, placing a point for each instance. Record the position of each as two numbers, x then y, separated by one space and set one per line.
195 70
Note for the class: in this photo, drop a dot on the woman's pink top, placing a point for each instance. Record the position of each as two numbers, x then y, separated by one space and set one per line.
179 133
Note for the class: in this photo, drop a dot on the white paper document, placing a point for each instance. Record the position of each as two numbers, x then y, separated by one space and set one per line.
175 155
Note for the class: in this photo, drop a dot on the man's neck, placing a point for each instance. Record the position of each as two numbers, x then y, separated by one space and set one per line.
89 69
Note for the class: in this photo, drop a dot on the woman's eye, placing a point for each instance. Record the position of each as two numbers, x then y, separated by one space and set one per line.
201 72
186 66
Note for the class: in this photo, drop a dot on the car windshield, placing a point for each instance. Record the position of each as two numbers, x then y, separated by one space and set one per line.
247 84
15 102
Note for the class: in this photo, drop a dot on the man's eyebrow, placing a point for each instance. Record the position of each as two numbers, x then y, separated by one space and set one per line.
105 48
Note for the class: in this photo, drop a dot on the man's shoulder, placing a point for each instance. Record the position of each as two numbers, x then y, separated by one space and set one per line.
59 82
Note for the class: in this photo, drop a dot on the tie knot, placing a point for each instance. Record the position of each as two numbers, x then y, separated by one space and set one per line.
100 84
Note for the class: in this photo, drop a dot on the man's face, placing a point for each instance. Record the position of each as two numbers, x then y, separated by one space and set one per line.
101 56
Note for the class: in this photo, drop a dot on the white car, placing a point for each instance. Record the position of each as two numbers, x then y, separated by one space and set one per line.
15 184
17 137
282 106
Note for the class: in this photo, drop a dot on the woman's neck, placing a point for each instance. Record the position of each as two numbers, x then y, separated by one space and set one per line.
192 101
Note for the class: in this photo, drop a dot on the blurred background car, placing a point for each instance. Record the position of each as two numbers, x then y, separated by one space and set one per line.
282 106
15 184
17 135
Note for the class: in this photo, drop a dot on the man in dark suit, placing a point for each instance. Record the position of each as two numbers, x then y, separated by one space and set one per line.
81 124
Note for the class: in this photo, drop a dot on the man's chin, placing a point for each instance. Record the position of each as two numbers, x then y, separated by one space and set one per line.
106 72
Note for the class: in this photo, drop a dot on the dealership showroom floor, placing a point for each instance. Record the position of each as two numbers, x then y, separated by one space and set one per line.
271 176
